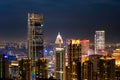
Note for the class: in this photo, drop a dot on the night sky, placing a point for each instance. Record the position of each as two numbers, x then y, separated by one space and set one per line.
73 18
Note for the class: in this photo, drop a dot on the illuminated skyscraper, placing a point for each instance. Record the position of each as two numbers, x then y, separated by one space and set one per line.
13 69
35 36
59 59
99 42
95 60
106 68
25 69
41 68
74 60
87 70
116 55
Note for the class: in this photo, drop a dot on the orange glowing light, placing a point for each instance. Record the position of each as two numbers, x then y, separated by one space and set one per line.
75 41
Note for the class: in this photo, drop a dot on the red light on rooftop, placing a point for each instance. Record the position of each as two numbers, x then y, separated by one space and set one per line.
84 40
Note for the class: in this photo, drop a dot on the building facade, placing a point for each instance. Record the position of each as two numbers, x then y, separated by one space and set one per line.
24 69
59 58
35 36
13 69
106 68
4 67
99 42
41 69
87 70
84 47
74 60
95 60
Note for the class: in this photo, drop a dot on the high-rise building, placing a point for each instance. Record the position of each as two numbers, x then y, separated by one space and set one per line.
95 60
59 58
106 68
87 70
84 47
35 36
41 69
4 67
74 60
99 42
13 69
116 56
25 69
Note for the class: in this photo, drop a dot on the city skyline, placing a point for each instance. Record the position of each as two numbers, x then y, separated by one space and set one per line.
74 19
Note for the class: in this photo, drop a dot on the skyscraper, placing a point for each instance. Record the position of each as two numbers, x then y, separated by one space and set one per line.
84 47
106 68
59 58
116 56
99 42
87 70
41 68
35 36
74 60
95 60
4 67
25 69
13 69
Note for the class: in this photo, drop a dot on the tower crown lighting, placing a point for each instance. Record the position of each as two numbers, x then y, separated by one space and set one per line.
75 41
59 39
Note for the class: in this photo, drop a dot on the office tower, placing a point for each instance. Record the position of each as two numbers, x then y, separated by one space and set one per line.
66 52
99 42
116 55
95 60
41 69
87 70
84 47
106 68
74 60
59 58
35 36
4 67
13 69
25 69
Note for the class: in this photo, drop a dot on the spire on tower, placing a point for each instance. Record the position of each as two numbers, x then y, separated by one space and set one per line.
59 39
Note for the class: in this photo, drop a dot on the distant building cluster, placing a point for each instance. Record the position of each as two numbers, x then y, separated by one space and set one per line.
65 59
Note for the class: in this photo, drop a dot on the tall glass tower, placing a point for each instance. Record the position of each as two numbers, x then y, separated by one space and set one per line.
99 42
35 36
59 58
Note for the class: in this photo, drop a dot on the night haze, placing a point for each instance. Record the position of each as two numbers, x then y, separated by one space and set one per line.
73 18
